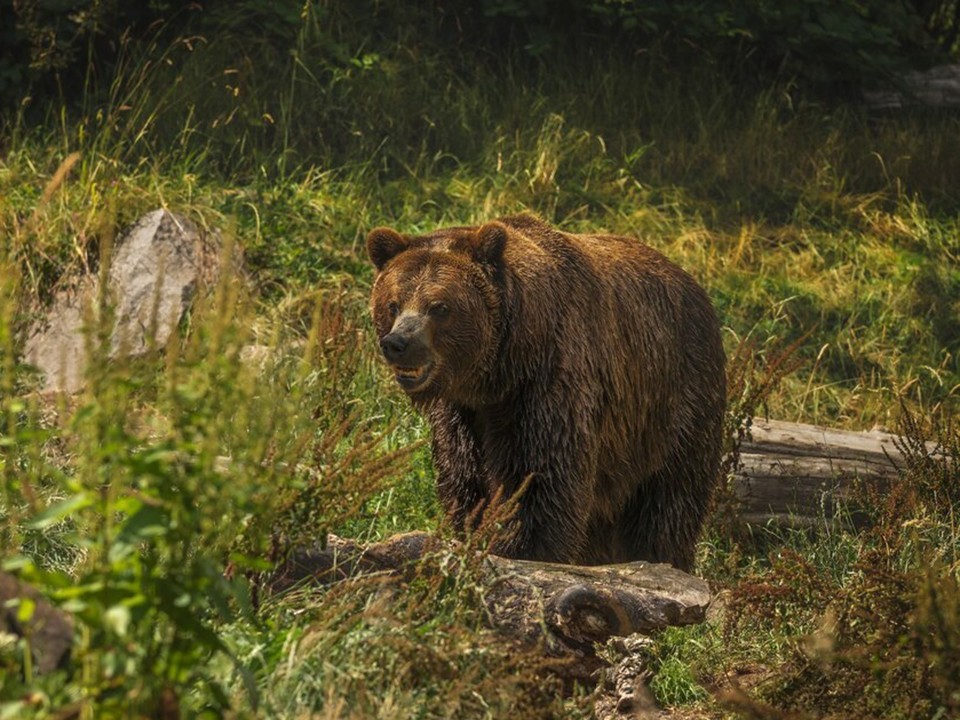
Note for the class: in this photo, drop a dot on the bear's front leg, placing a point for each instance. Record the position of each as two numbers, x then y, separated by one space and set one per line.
549 474
456 457
546 524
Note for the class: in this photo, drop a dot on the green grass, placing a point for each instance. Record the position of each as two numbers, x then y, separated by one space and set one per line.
808 224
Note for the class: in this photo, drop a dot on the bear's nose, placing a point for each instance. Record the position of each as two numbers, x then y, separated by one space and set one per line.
393 346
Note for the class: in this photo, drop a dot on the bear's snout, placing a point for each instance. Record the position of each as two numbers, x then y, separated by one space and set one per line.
394 346
406 345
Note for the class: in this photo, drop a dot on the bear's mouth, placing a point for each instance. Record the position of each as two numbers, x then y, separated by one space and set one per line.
413 378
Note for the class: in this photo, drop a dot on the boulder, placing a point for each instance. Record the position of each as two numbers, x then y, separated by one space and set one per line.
155 272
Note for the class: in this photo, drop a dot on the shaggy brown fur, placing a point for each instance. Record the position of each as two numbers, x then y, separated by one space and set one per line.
590 363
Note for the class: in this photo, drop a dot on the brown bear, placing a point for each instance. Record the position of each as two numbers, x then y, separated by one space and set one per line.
590 364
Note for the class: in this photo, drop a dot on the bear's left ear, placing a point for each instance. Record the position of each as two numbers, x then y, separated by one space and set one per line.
384 244
491 239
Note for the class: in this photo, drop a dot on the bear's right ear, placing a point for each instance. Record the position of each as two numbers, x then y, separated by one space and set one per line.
491 239
383 244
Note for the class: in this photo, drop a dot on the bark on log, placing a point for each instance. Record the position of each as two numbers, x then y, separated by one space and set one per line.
938 87
567 607
800 474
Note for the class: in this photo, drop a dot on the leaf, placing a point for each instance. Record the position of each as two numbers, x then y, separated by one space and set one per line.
174 603
74 606
17 562
26 609
148 521
12 709
117 618
250 562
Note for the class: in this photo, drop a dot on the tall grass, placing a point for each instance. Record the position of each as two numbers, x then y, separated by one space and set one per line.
167 471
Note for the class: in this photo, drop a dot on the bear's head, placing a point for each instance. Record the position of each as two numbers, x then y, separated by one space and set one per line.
437 306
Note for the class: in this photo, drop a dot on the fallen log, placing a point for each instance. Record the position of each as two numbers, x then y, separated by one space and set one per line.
568 608
937 87
798 474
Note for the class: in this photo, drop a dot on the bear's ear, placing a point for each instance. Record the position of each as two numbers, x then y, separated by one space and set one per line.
383 244
491 239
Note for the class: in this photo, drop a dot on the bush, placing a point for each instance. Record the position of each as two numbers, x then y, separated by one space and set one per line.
878 635
174 482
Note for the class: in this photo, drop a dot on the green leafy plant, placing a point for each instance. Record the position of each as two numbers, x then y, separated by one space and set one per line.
172 475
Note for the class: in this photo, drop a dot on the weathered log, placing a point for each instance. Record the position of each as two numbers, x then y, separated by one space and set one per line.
938 87
586 605
794 474
567 607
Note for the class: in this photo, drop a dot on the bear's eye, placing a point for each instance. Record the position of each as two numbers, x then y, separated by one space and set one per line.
394 309
439 310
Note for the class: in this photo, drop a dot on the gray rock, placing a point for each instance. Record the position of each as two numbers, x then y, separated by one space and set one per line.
154 275
56 345
155 272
